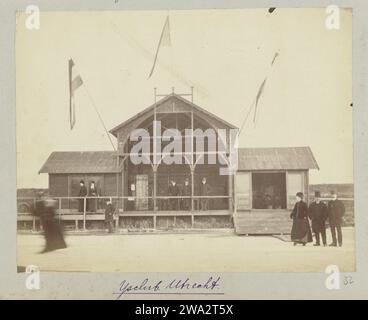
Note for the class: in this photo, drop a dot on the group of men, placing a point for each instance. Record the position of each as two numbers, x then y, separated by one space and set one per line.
182 197
318 212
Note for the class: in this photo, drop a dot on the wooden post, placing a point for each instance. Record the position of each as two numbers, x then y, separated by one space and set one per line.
154 221
154 187
192 185
34 218
84 213
192 220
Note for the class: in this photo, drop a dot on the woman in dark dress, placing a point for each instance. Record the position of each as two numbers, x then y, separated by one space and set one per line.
300 232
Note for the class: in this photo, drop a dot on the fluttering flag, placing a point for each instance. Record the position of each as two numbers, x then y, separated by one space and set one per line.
165 40
274 58
75 81
260 91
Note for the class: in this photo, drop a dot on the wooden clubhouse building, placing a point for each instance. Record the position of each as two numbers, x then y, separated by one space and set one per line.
256 200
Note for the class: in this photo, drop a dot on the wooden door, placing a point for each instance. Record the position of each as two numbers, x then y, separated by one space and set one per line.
141 185
243 190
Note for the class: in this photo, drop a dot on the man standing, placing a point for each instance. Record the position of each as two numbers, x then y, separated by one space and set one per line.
186 193
82 193
109 215
204 190
336 211
174 191
317 212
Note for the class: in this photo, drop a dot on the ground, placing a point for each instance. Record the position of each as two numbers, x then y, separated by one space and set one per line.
184 252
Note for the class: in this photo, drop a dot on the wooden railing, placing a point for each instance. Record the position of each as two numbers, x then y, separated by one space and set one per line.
92 208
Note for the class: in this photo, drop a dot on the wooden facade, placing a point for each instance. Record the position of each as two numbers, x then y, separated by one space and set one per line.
258 199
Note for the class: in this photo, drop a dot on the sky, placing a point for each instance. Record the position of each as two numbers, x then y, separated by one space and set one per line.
224 54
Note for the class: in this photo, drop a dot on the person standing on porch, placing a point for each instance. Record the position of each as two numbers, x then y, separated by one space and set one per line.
92 192
336 211
317 212
204 191
82 193
300 231
174 191
186 192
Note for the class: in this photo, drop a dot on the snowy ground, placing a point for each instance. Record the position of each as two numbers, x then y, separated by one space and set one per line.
210 252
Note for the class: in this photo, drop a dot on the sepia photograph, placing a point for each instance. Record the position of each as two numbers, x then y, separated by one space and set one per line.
204 140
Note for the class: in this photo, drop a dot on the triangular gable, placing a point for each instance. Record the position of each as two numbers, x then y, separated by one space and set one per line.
165 104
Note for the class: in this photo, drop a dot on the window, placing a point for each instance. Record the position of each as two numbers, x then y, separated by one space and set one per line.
269 190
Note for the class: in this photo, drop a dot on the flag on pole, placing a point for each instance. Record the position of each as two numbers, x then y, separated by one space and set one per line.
260 91
75 81
165 41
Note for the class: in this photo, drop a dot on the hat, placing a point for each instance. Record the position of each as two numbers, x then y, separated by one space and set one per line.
317 194
300 194
333 192
81 181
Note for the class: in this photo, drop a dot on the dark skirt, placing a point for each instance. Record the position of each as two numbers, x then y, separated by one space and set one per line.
53 235
301 232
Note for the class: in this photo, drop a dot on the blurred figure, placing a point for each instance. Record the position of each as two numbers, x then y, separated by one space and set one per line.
317 212
277 202
300 231
82 193
45 209
268 202
204 191
109 215
336 211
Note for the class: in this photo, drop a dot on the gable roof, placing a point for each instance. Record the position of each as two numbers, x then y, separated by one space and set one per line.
289 158
160 102
81 162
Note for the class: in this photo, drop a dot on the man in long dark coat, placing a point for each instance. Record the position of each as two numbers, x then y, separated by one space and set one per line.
300 231
204 191
186 192
336 211
45 210
317 212
174 191
82 193
109 216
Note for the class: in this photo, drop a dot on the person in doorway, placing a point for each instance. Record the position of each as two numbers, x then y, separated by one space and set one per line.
82 193
300 231
317 212
174 191
186 192
268 201
204 191
109 216
336 211
45 209
92 192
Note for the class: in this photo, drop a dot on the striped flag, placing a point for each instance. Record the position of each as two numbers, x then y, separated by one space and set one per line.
75 81
165 41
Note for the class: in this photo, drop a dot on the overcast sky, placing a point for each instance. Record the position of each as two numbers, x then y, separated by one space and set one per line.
224 54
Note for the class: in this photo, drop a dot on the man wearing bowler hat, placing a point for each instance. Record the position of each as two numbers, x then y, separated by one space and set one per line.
317 212
336 211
